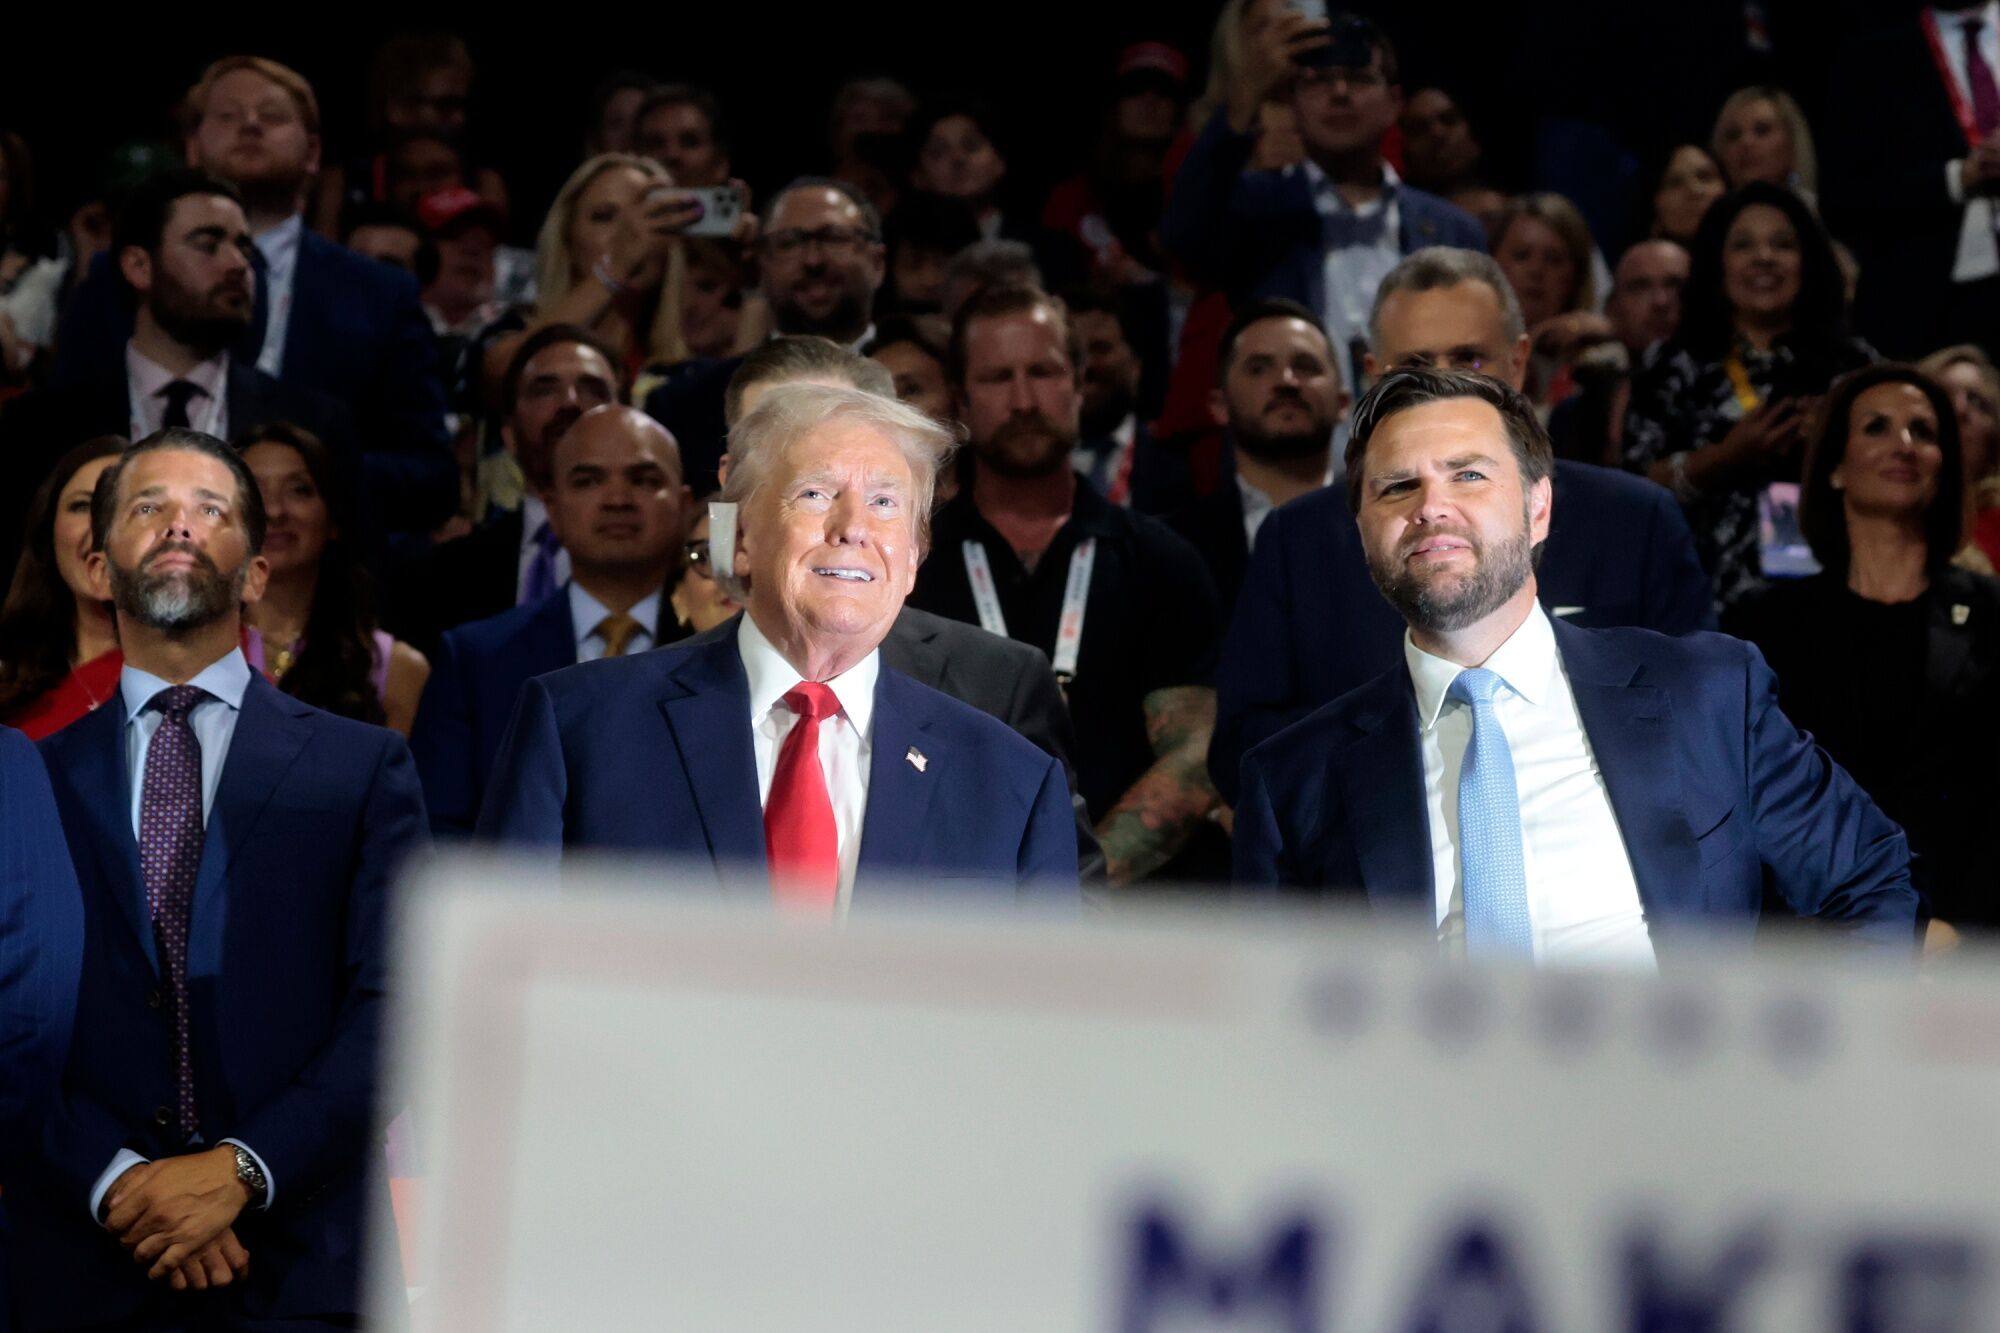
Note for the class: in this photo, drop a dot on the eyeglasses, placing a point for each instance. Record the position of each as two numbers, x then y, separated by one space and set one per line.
696 555
833 240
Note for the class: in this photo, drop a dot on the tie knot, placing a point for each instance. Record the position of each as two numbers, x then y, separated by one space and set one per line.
812 700
179 393
176 701
545 537
1972 26
1475 685
617 630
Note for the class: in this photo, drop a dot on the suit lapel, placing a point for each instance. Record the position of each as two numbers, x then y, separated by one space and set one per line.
1630 728
247 404
707 706
899 792
550 640
1381 770
268 740
103 781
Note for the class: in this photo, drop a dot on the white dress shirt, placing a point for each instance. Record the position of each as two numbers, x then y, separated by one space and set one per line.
214 723
146 382
533 514
1352 273
1583 902
586 615
845 739
1257 506
279 246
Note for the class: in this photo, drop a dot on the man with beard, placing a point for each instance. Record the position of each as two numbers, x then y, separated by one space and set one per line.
1308 625
1122 606
211 1150
1279 395
820 263
1117 454
182 248
514 556
324 318
1528 789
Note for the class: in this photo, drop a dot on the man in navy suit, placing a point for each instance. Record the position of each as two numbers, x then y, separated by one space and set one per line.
617 503
1324 231
210 1153
326 319
1530 789
786 755
182 246
1309 626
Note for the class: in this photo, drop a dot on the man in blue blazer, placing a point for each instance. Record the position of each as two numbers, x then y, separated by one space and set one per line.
211 1150
1321 232
1529 789
785 754
617 504
326 319
1309 624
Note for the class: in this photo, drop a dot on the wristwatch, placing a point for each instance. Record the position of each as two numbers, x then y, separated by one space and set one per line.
250 1174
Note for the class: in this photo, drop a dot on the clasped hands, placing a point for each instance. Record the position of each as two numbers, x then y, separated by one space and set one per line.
177 1217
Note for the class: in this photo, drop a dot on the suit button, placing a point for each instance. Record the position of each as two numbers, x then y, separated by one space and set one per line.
163 1116
155 998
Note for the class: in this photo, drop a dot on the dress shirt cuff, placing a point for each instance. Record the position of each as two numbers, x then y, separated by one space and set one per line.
270 1181
1954 179
123 1162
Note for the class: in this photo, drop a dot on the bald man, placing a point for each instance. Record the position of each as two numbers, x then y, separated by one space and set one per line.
618 503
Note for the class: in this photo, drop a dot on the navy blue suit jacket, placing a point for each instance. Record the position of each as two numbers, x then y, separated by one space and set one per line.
476 677
357 334
288 974
41 939
1712 786
1310 625
1257 233
653 753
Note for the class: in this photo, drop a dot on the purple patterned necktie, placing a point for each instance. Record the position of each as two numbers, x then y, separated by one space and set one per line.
170 834
1979 78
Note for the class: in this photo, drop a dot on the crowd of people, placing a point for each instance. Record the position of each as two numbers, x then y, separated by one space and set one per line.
1281 502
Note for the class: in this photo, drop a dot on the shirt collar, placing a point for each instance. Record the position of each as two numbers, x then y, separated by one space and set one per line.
586 613
533 514
280 244
226 678
148 377
771 677
1323 188
1526 662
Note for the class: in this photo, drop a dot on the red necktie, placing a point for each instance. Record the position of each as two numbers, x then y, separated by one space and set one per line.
799 836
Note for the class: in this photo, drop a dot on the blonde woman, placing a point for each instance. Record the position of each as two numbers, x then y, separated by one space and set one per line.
1969 377
1543 245
1762 135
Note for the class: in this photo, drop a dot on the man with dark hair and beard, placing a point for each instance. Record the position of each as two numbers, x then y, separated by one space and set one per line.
514 556
820 262
235 849
182 246
1529 789
1279 395
1122 606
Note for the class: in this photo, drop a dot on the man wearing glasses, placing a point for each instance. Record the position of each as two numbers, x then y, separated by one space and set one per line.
618 506
820 263
1325 231
1309 624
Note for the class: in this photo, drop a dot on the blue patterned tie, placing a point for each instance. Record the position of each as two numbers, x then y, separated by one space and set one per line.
541 580
170 834
1489 829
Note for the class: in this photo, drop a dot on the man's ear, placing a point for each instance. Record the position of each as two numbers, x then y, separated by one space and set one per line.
97 573
1218 407
137 268
256 577
1541 499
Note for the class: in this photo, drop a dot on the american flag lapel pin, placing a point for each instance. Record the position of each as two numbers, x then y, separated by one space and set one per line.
916 758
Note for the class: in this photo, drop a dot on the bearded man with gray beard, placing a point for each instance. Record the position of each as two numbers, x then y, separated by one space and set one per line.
1525 789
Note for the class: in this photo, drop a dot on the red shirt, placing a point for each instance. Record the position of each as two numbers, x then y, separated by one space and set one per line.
81 691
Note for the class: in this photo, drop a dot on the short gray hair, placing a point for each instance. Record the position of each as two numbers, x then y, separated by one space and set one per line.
1438 266
788 413
802 356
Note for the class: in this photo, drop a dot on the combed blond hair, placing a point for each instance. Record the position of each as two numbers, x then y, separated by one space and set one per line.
1561 217
195 104
555 266
1805 159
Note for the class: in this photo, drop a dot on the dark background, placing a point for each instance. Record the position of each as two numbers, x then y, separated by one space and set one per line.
1651 73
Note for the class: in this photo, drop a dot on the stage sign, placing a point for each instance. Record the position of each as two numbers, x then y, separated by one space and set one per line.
640 1110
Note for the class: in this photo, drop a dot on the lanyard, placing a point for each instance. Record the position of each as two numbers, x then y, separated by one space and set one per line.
1747 396
1076 592
1960 107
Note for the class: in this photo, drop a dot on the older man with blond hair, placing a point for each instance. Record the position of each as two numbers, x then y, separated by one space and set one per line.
786 755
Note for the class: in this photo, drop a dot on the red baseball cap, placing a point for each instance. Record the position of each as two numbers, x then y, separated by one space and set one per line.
456 208
1156 58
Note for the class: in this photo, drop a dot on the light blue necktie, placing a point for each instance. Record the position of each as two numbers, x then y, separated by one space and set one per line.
1489 829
